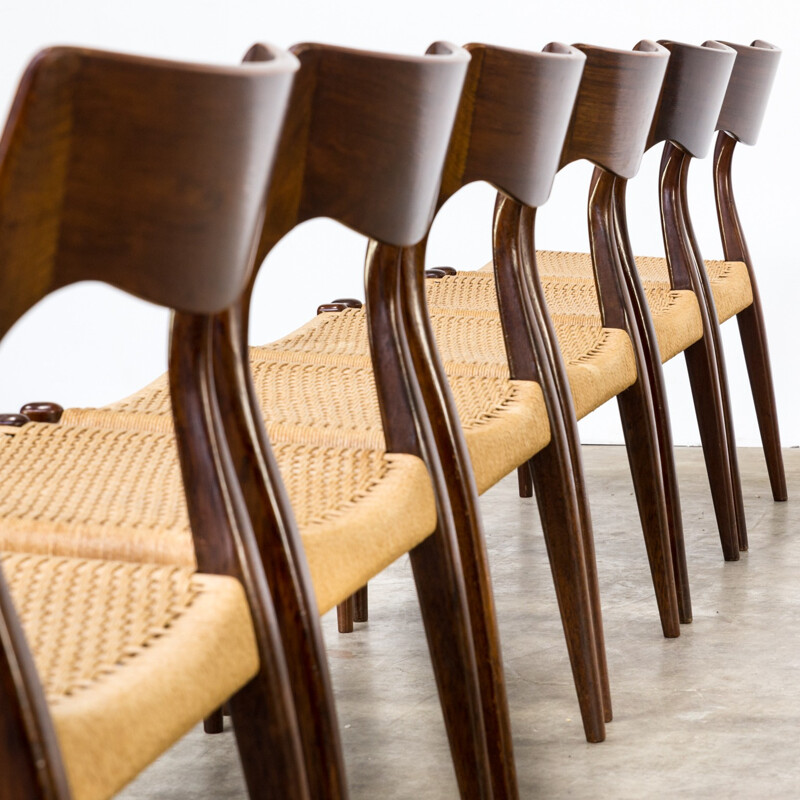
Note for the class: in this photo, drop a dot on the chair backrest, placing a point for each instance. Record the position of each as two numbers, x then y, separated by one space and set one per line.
145 174
512 120
694 87
150 176
616 101
345 152
748 90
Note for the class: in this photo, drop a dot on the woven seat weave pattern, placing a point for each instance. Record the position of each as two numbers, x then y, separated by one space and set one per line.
118 494
729 280
84 618
130 656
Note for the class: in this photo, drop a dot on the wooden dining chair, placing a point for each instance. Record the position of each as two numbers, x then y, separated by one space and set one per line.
505 421
148 175
602 355
664 293
734 293
358 506
693 90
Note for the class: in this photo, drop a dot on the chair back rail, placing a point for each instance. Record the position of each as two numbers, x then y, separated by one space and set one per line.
748 91
150 176
615 106
692 94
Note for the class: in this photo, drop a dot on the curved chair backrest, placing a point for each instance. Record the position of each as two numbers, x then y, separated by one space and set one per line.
345 151
142 173
694 87
512 120
748 90
150 176
615 106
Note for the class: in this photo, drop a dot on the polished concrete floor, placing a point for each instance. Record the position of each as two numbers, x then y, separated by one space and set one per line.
713 714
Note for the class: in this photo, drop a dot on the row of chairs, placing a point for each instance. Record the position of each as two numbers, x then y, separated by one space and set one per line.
172 552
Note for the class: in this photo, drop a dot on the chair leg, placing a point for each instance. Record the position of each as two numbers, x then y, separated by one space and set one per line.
713 339
644 455
213 723
714 437
561 525
345 613
524 481
361 604
759 370
589 558
669 476
445 616
259 737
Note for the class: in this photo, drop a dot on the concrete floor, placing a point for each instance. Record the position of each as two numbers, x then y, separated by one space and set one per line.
713 714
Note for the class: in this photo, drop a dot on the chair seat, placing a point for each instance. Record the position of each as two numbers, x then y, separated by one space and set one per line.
569 287
115 493
332 401
729 280
599 361
130 657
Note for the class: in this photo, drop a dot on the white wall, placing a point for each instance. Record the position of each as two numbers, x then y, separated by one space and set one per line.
90 345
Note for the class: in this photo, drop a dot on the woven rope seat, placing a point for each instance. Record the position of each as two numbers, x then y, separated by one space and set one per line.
130 656
115 493
332 401
729 280
599 361
568 282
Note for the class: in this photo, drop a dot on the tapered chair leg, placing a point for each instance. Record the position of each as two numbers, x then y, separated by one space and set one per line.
361 604
714 438
524 481
447 628
561 525
751 319
759 370
213 723
645 461
257 727
344 615
671 493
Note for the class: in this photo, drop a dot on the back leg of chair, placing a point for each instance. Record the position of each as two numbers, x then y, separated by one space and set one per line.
751 319
564 427
759 371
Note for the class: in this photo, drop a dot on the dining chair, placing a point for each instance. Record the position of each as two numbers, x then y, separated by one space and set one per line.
504 421
601 351
358 506
734 293
121 169
664 293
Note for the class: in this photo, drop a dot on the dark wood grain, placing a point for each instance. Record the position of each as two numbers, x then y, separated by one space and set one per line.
150 176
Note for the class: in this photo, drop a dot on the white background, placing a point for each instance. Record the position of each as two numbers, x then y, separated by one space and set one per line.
87 345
